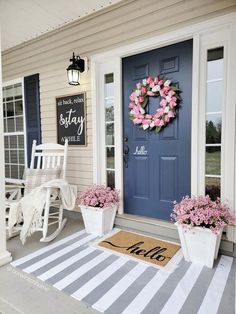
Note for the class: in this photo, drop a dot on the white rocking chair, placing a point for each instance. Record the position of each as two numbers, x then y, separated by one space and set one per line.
44 156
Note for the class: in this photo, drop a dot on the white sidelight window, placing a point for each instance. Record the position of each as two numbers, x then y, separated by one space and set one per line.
214 107
109 129
14 130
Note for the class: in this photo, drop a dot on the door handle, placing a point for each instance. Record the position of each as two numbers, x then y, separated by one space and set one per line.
126 155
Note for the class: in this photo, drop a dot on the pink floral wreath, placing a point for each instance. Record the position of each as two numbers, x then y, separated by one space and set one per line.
154 87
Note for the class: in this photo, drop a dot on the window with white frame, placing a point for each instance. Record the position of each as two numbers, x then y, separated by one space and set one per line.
109 129
14 130
214 108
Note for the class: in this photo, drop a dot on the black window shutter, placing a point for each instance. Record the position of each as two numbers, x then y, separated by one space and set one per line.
32 111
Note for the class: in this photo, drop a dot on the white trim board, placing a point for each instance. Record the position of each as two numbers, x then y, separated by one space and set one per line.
181 34
205 35
12 82
5 256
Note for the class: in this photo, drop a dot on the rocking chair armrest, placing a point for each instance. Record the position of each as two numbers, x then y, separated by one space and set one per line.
54 192
51 187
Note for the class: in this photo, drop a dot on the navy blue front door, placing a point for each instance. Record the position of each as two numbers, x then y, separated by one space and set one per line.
157 166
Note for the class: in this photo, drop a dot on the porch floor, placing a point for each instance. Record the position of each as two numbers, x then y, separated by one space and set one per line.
24 293
21 293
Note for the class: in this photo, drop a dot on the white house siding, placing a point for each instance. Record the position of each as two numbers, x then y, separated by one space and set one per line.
124 22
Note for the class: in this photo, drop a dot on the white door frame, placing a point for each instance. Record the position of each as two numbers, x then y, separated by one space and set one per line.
110 61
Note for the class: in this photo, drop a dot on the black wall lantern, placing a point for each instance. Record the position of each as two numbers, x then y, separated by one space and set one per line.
76 67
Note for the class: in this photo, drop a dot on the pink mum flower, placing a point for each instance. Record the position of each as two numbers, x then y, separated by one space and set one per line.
201 211
99 196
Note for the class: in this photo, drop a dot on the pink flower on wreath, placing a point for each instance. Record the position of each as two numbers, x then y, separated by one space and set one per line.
166 89
156 80
157 122
155 116
139 85
136 100
162 93
131 105
150 93
137 121
136 109
166 118
152 84
148 116
161 123
146 121
132 96
168 99
138 92
160 82
141 99
172 104
163 103
160 112
140 116
149 80
171 93
171 114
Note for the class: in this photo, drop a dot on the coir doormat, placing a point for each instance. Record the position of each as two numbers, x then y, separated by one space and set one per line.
150 250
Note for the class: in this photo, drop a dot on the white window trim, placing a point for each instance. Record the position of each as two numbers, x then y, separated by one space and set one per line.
12 82
111 62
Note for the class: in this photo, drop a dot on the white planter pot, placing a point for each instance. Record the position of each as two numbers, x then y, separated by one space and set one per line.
98 221
199 245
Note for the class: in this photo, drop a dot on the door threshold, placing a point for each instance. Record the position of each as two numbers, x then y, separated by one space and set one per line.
156 227
148 220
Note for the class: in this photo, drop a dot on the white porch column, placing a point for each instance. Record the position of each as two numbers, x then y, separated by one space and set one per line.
5 256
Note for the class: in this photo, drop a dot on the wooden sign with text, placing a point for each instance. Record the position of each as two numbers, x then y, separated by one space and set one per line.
71 119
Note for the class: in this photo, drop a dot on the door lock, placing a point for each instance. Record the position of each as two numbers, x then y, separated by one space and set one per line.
126 150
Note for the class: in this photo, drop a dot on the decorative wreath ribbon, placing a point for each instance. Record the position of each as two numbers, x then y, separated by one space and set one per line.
154 87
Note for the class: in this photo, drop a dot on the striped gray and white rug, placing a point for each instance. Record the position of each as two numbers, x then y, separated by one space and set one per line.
114 284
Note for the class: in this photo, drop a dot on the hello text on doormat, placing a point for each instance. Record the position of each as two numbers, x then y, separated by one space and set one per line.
142 247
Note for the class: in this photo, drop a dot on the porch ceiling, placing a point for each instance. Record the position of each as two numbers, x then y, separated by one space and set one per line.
27 19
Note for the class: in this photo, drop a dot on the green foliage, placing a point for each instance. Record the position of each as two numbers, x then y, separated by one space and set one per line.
144 104
175 88
213 134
